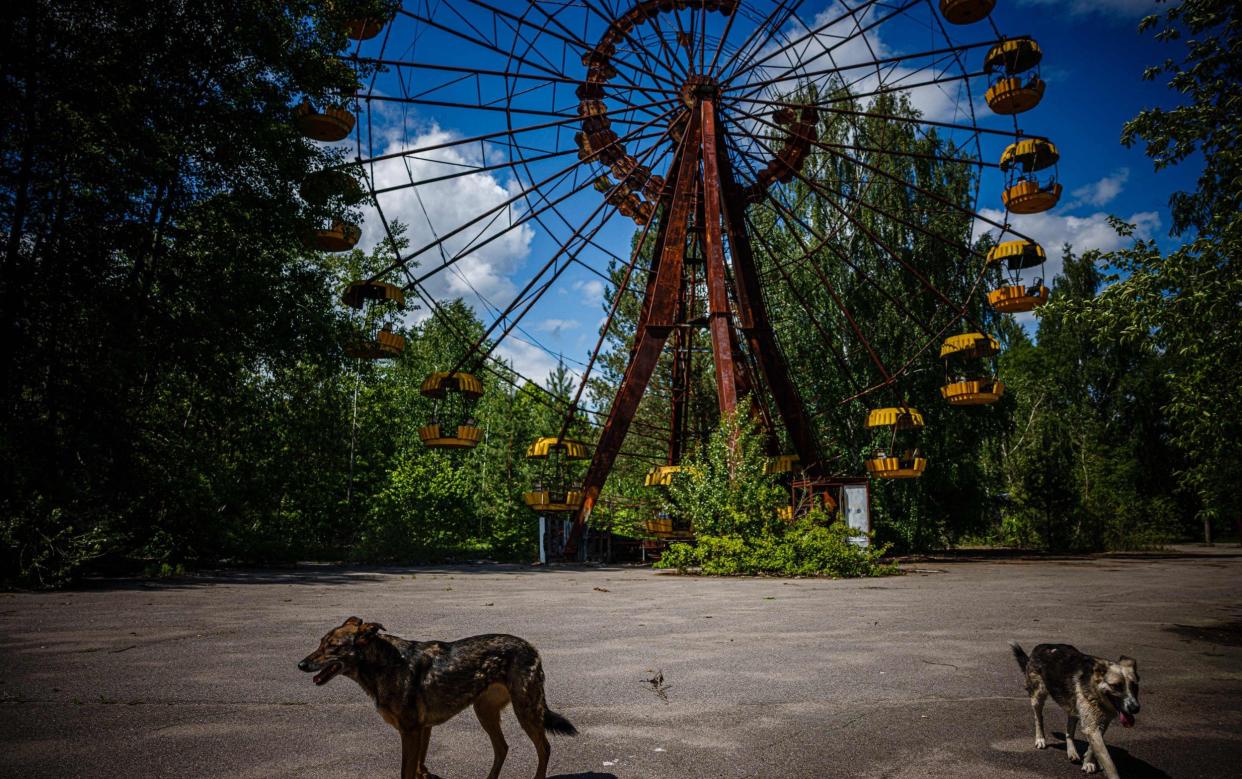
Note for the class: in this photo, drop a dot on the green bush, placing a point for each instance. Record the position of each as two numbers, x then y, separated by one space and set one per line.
732 505
723 490
808 547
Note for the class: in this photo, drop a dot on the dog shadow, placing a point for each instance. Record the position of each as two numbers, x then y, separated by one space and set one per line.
1127 764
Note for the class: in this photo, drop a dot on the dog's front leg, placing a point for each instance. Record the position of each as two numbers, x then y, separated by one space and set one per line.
409 749
413 753
1071 748
423 773
1098 751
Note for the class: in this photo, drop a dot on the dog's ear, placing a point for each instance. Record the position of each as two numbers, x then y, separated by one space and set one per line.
1128 662
366 632
352 621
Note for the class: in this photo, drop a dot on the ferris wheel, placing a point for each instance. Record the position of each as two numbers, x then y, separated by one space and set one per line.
702 157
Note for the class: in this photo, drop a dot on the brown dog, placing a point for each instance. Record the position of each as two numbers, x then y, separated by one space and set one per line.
1091 689
417 685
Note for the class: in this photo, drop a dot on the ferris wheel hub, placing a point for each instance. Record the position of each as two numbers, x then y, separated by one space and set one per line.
699 87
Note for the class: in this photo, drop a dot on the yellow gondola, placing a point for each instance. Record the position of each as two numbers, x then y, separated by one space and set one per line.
904 422
783 463
1007 93
360 292
452 425
436 436
964 360
1010 259
979 392
659 526
385 344
661 475
441 384
330 124
966 11
340 237
1024 192
322 186
364 29
553 492
1010 95
1016 255
968 345
1018 298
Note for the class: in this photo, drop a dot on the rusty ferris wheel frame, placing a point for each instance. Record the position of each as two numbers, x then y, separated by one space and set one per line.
681 120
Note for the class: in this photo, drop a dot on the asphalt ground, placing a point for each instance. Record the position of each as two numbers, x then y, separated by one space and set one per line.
906 676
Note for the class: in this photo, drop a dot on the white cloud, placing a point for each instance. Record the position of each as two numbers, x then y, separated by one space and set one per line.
1100 193
445 206
592 291
530 360
1111 8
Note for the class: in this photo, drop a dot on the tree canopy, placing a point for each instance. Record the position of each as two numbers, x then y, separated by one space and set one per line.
176 388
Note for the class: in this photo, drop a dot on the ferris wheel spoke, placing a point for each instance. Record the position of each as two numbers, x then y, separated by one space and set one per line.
795 225
758 39
837 44
481 42
471 170
672 62
857 23
551 265
973 129
832 293
644 159
940 334
793 221
635 254
505 372
898 180
507 132
468 106
502 207
645 69
573 39
869 64
711 68
813 316
828 196
500 74
850 97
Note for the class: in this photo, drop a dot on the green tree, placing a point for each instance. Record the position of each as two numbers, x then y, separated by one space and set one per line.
153 290
1183 304
1088 462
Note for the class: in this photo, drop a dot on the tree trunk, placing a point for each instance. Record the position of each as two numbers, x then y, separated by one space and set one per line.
1207 531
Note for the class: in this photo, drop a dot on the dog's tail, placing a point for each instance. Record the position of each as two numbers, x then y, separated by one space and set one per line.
1019 655
555 723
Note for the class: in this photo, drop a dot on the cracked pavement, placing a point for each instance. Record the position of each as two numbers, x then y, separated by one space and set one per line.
904 676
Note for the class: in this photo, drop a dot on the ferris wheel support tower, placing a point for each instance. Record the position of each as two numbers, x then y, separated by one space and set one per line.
702 166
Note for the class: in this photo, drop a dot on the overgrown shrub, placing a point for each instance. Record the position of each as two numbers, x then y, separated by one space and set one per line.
732 506
808 547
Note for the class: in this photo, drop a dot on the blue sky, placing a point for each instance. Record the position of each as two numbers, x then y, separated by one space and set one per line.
1093 59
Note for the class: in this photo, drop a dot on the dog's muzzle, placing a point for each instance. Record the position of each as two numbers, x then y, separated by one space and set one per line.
326 670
